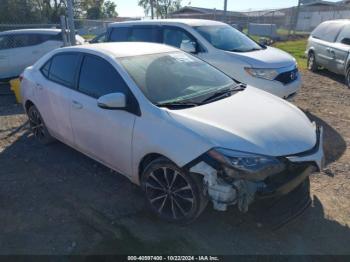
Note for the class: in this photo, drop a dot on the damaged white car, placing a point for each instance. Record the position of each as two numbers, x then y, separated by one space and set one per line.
180 128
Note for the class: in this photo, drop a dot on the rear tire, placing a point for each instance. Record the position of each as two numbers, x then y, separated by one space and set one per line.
311 62
347 77
38 127
173 194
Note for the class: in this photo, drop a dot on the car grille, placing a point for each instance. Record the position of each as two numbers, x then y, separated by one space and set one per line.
288 77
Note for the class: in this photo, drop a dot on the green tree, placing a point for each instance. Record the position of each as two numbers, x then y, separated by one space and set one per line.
162 8
109 9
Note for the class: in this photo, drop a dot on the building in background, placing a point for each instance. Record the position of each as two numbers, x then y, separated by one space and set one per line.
311 14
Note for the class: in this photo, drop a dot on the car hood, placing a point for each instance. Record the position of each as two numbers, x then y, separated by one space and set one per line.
269 57
252 121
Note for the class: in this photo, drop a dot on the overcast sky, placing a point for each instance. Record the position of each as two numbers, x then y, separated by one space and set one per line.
130 7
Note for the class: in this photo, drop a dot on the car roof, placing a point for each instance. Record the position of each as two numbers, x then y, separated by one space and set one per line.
189 22
124 49
338 21
32 31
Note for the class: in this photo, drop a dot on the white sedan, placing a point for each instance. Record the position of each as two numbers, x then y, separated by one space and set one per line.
175 125
22 48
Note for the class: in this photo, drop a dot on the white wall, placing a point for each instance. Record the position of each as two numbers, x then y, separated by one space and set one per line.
308 20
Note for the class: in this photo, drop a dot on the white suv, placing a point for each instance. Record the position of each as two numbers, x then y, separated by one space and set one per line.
173 124
22 48
220 45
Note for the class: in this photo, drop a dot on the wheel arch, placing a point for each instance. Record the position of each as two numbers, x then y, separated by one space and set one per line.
145 161
28 104
311 50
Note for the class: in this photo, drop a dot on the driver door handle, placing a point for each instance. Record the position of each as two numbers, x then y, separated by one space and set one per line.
77 105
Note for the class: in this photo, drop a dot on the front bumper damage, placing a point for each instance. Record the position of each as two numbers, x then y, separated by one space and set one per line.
242 192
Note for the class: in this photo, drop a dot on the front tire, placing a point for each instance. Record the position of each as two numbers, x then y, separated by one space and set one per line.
38 127
311 62
173 194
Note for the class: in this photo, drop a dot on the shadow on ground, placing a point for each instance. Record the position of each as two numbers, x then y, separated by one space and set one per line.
8 104
334 143
54 200
338 78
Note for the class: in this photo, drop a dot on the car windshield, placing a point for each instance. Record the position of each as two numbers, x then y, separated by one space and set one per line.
175 77
227 38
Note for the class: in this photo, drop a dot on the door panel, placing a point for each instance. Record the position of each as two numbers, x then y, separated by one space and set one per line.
56 109
103 134
5 71
322 52
54 91
5 54
340 54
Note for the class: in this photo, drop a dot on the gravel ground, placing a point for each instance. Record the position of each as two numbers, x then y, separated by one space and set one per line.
54 200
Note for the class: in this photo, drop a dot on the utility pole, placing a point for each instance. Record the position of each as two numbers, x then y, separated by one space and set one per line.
225 10
71 21
152 11
296 18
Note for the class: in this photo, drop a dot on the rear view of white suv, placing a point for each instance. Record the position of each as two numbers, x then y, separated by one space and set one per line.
220 45
22 48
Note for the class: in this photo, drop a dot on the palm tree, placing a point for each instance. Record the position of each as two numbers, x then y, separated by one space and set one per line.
147 6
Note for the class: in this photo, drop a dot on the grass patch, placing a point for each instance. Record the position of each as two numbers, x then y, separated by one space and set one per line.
296 48
88 37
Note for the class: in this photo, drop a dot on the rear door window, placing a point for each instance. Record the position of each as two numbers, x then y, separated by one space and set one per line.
63 68
24 40
145 34
98 77
5 42
327 31
120 34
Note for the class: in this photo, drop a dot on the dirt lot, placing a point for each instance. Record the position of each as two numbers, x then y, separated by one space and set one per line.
54 200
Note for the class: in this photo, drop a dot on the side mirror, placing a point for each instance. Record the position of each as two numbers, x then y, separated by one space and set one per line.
188 47
112 101
345 41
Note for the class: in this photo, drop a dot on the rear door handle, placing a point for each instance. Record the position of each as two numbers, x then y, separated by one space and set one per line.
77 105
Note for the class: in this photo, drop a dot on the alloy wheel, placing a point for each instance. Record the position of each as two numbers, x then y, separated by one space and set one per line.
169 193
311 61
347 78
36 124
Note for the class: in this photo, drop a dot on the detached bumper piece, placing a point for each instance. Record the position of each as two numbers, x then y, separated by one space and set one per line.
273 213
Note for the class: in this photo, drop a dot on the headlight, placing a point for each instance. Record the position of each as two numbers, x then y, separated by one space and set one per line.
246 165
269 74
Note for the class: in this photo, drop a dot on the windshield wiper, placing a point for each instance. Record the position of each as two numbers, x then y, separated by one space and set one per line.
181 104
244 50
224 93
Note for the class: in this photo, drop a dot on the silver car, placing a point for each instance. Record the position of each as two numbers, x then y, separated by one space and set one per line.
328 47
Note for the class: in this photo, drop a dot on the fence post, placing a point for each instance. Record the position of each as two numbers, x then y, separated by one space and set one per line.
71 22
225 11
64 30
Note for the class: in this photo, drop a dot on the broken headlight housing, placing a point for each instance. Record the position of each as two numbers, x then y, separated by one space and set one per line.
242 165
